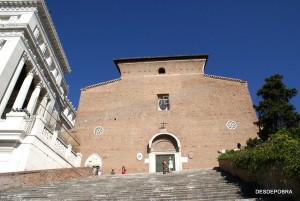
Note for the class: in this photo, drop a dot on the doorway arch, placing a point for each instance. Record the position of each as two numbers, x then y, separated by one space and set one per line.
163 146
93 160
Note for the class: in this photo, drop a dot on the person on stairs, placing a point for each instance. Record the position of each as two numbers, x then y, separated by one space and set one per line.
123 170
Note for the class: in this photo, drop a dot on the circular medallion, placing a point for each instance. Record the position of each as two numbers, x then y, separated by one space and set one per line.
139 156
231 124
98 130
191 155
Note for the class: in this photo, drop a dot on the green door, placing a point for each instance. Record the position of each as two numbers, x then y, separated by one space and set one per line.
159 160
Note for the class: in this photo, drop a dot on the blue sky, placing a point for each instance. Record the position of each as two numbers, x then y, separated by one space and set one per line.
248 40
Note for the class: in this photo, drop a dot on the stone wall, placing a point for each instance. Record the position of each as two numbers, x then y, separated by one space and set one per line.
39 177
272 178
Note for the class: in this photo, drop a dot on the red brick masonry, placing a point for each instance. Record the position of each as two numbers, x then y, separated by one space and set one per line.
38 177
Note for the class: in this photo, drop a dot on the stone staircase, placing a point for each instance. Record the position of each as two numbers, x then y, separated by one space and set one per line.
205 184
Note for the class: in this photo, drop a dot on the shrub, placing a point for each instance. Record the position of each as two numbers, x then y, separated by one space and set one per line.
282 147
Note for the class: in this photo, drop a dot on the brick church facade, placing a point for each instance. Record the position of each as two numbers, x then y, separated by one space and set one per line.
161 108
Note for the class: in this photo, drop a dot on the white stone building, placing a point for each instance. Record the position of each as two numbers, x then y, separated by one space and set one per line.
36 115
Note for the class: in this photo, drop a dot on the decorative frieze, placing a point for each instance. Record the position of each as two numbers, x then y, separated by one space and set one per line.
12 33
18 9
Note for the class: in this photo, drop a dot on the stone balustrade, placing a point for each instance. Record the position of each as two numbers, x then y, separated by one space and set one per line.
54 142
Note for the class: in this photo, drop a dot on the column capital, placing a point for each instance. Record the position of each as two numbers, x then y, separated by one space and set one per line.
40 85
32 72
46 96
25 56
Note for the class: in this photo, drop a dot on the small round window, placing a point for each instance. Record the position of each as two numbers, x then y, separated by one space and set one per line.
161 71
231 124
98 130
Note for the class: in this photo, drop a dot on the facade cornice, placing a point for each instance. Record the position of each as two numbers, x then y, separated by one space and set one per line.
224 78
40 8
71 106
49 25
100 84
118 61
160 58
19 3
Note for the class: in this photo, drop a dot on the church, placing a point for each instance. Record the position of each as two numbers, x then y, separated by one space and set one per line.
162 108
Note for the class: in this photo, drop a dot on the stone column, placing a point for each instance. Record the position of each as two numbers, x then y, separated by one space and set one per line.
43 105
33 99
23 91
49 110
11 85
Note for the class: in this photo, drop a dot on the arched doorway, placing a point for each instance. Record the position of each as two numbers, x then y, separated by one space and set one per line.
164 146
93 160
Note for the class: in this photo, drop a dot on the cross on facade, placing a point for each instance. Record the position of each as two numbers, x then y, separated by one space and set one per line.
163 125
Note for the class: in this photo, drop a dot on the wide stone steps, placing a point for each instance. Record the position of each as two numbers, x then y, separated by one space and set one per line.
205 184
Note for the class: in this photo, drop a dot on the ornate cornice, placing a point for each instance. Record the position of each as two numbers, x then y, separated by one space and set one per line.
44 18
100 84
224 78
70 104
19 3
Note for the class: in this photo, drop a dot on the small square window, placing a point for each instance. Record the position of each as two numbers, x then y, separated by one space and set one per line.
163 102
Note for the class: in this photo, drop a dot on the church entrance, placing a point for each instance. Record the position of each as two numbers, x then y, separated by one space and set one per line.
160 158
164 146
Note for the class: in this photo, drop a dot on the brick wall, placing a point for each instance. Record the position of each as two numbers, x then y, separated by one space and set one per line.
127 109
39 177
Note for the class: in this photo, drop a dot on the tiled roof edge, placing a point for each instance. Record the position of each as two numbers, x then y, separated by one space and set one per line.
100 84
225 78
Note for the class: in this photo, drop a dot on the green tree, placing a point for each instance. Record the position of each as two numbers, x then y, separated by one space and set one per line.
274 110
